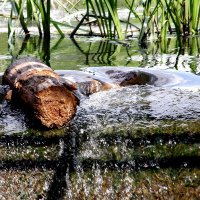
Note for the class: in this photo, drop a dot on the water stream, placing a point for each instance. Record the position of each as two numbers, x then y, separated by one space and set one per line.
135 142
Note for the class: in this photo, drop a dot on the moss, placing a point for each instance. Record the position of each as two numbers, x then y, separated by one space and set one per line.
24 184
163 127
30 153
157 184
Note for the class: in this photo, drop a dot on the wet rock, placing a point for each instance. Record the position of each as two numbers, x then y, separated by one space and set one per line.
135 105
3 91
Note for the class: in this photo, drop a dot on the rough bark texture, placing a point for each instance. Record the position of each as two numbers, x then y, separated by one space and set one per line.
52 100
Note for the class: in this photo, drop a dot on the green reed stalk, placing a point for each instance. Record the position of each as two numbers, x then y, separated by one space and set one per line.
164 28
105 11
129 14
186 19
195 14
147 18
93 6
194 51
164 15
112 8
45 16
159 17
173 10
101 17
37 11
17 6
11 31
107 27
35 14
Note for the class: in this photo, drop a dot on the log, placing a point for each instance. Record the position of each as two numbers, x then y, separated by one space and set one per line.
98 79
51 99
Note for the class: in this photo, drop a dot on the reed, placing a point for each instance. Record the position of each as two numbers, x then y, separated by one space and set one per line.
38 12
165 17
194 15
105 11
156 18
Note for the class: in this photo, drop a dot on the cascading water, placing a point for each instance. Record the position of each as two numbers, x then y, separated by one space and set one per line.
130 140
135 142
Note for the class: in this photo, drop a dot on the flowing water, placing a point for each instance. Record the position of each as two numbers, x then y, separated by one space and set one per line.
135 142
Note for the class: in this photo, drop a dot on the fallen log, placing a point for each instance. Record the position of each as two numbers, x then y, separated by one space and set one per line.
96 79
51 99
51 95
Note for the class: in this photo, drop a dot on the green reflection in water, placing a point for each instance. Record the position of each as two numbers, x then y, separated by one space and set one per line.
83 52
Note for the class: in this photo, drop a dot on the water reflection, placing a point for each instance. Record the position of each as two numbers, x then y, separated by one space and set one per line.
66 53
30 45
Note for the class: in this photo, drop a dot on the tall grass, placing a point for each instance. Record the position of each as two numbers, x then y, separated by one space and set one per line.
155 18
105 11
166 16
38 12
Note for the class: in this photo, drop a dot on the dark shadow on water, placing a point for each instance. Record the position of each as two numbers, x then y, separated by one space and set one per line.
151 139
66 164
24 164
34 141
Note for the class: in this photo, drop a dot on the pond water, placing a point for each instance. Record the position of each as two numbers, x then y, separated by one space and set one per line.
135 142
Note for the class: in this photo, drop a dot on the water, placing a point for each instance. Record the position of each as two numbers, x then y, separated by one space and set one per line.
135 142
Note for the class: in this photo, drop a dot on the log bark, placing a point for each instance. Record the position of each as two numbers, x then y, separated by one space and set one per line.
52 100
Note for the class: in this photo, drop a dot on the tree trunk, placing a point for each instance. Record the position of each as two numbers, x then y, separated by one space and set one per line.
51 99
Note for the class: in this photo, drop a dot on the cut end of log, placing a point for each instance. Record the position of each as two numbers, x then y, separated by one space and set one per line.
51 100
55 106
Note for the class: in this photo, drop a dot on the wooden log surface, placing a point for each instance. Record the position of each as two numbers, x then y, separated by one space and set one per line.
38 86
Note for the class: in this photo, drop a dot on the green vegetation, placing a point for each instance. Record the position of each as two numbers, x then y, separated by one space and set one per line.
37 13
107 17
150 18
180 184
162 17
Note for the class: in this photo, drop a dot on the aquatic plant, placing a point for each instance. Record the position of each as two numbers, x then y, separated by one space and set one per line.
104 13
29 12
166 16
151 18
